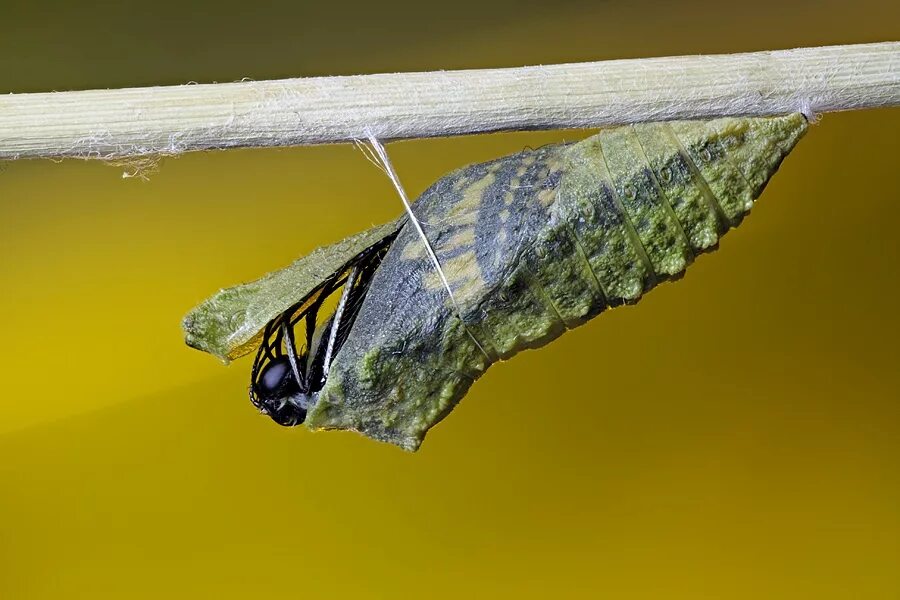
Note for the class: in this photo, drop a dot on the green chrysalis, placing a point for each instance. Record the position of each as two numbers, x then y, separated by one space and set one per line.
531 244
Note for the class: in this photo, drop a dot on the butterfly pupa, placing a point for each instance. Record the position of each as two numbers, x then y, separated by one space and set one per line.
532 244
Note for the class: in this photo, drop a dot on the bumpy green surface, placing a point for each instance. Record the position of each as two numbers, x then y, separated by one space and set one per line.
532 244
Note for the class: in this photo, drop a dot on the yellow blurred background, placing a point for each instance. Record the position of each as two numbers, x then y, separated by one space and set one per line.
763 461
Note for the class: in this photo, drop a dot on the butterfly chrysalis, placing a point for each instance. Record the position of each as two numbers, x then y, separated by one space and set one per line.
531 244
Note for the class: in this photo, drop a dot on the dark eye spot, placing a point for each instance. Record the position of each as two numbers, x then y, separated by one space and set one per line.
273 375
275 391
277 379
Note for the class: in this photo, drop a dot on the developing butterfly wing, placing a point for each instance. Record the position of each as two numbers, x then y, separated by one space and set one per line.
230 324
534 244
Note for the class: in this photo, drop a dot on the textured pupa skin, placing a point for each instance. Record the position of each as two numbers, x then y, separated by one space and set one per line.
534 244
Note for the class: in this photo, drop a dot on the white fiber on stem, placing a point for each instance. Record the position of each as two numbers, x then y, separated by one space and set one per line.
383 162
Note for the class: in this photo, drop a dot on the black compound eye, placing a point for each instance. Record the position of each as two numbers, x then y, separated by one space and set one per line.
273 376
274 391
277 379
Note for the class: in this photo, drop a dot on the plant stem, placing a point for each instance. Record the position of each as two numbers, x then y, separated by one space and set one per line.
135 122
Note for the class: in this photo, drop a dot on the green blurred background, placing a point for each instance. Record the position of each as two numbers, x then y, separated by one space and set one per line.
759 461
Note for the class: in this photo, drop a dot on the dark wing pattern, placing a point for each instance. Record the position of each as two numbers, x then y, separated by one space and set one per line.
279 336
230 324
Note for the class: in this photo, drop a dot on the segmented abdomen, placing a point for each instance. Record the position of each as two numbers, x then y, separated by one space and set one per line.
635 205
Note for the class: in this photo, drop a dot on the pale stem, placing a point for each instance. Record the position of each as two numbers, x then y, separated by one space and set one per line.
136 122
